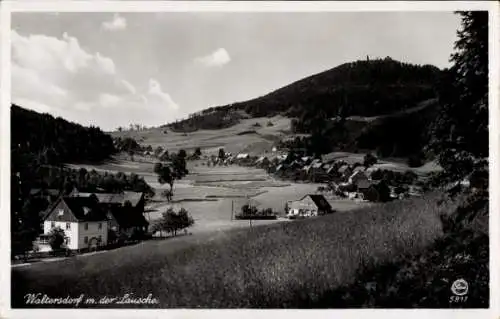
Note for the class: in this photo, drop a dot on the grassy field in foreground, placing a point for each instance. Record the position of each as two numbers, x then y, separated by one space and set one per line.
269 266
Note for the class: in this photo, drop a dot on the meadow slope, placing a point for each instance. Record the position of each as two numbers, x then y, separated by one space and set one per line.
267 266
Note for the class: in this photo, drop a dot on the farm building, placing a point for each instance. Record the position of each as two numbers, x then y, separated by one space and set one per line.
316 172
309 205
371 193
359 179
377 192
242 156
82 219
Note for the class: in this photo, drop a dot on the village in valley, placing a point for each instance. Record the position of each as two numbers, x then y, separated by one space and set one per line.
91 221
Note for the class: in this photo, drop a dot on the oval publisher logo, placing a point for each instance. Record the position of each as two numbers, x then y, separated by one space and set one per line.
460 287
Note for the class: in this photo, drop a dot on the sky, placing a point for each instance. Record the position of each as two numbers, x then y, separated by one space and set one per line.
114 69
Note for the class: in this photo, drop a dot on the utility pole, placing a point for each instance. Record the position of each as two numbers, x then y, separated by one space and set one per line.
232 209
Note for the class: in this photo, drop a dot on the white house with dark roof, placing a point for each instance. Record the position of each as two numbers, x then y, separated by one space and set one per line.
308 206
84 223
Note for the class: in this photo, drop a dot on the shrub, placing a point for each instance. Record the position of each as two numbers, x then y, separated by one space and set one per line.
56 238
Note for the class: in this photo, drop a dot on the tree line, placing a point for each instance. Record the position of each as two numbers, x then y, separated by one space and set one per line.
43 139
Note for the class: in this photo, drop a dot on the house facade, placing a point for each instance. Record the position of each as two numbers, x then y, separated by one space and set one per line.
84 223
308 206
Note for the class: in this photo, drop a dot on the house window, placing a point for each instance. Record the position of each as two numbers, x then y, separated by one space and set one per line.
43 240
68 226
86 240
52 224
86 226
61 212
66 241
100 226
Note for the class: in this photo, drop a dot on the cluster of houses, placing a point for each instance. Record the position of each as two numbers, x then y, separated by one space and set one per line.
347 180
88 218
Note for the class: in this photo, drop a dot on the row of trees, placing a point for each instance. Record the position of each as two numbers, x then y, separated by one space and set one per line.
172 222
132 127
214 120
42 139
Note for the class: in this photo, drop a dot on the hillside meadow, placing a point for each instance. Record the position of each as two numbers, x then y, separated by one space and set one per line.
280 265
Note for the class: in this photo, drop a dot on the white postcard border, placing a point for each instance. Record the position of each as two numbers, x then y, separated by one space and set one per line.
247 6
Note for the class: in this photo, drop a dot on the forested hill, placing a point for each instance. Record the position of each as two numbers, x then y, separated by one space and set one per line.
362 88
43 139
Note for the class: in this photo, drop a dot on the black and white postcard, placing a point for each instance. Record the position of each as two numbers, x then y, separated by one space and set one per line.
249 155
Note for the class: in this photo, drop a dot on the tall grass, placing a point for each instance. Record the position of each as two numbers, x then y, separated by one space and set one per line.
270 266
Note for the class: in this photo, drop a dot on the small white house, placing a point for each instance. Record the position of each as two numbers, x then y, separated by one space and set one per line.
309 205
84 223
242 156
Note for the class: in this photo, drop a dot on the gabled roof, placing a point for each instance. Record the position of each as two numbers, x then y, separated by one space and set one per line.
119 198
78 209
320 201
85 208
133 197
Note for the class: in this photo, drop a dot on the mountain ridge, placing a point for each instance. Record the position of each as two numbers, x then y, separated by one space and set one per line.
362 88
